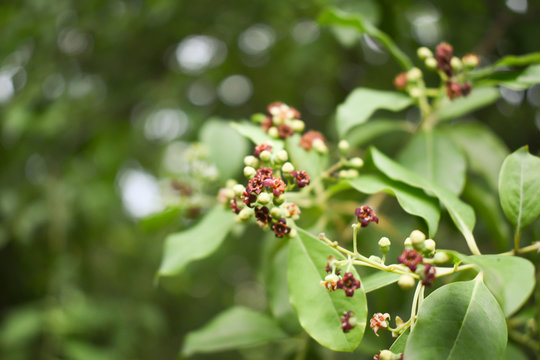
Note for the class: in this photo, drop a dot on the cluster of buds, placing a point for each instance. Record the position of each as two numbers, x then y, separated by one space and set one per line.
417 249
348 321
263 197
314 140
280 120
452 69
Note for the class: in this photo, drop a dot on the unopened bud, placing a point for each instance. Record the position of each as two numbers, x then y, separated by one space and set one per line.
258 118
298 125
441 258
356 162
245 214
287 168
282 156
238 189
384 244
293 233
265 155
264 198
252 161
470 61
456 63
249 172
415 92
424 53
344 146
430 245
320 146
278 200
275 212
343 174
417 237
431 63
230 183
352 173
386 355
273 132
407 242
406 282
414 75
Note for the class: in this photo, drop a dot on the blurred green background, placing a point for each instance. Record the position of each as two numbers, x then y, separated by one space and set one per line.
99 103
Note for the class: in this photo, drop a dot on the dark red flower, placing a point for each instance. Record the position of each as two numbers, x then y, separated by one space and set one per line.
348 284
453 90
234 206
410 258
429 275
444 55
365 215
280 228
265 172
346 325
263 215
400 81
249 197
466 89
260 148
306 141
302 178
284 131
277 185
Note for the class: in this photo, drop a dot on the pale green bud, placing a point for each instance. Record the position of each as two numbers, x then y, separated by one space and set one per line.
470 61
430 245
265 155
456 63
441 258
431 63
356 162
407 242
415 92
320 146
293 233
298 125
414 75
245 214
417 237
344 146
424 53
406 282
264 198
252 161
352 173
279 200
384 244
275 212
273 132
249 172
238 189
258 118
287 168
282 156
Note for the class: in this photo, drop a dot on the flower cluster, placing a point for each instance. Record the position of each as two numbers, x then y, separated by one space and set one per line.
453 68
365 215
348 322
379 320
280 120
314 139
414 257
263 197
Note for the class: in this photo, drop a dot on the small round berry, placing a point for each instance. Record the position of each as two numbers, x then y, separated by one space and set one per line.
298 125
344 146
249 172
282 156
245 214
430 245
287 168
441 258
273 132
424 53
252 161
417 237
414 74
320 146
356 162
406 282
264 198
239 189
265 155
431 63
456 63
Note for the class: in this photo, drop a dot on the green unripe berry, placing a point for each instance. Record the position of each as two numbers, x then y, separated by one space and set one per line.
406 282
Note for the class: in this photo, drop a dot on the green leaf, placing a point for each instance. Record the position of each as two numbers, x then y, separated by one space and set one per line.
197 242
461 213
509 278
486 205
235 328
256 134
458 321
374 128
226 147
513 352
363 102
436 157
512 60
519 188
398 347
319 310
485 152
478 98
379 279
333 16
310 161
160 219
413 200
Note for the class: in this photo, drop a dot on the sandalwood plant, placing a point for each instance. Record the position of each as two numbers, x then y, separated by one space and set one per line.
319 201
